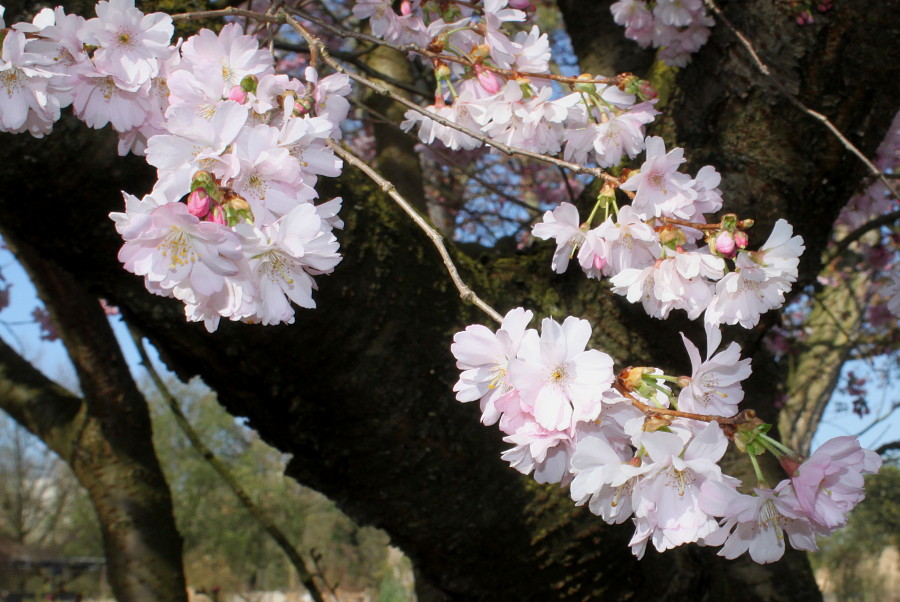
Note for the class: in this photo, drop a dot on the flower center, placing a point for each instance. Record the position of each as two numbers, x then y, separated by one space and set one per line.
178 248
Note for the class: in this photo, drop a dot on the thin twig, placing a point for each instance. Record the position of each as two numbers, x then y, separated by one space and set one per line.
466 293
739 418
764 69
385 91
229 12
894 407
184 424
452 164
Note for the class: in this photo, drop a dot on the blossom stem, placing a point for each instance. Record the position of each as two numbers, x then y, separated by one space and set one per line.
587 106
594 212
776 447
741 418
662 390
671 379
756 468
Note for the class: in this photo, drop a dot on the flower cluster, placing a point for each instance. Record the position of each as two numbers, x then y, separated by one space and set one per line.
655 250
242 145
631 448
498 91
678 27
543 388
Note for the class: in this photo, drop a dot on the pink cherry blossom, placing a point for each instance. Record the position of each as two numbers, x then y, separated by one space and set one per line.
829 483
714 386
755 523
563 225
484 358
558 380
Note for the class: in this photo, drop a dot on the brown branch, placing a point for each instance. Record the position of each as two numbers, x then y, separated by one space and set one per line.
228 12
739 418
465 170
466 293
882 449
764 69
207 454
109 445
384 91
316 45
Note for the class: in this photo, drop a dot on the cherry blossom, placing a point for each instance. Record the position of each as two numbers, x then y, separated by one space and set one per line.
558 379
714 386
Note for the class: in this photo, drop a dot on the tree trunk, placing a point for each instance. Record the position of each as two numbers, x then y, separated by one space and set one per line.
104 437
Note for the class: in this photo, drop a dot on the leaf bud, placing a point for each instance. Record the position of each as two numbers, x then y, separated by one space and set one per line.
441 70
437 44
729 222
631 377
204 179
481 51
672 236
585 85
654 422
629 83
249 83
237 209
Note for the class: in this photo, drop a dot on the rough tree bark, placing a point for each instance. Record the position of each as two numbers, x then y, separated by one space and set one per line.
359 390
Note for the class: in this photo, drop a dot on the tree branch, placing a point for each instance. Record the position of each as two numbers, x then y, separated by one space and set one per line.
306 577
466 293
764 69
841 245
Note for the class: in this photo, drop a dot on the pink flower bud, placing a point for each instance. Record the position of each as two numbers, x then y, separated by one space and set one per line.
217 215
741 239
790 464
520 4
725 244
599 262
406 8
488 80
198 203
237 94
646 90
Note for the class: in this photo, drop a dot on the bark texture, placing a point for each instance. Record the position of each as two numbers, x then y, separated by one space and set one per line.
359 390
